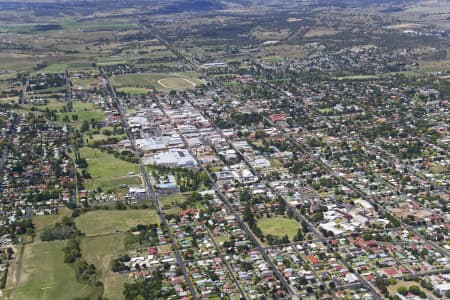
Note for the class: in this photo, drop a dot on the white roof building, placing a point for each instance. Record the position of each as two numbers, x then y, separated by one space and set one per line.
173 158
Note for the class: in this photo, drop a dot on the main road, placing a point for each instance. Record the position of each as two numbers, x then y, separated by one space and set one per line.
230 208
150 191
296 213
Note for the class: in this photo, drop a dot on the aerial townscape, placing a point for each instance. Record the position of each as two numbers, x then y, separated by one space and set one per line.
224 149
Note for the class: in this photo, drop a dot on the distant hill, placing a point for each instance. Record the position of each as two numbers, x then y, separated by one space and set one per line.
192 5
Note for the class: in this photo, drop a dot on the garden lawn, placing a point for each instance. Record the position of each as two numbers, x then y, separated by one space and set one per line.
100 222
279 226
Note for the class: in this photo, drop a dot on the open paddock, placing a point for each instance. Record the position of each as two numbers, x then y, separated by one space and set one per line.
103 222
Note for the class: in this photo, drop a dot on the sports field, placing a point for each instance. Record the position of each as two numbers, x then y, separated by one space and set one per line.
140 82
279 226
176 83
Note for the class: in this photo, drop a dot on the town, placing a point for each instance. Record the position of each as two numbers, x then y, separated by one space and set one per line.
309 161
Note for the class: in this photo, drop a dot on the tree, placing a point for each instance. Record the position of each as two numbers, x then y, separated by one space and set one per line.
402 290
392 281
367 236
84 126
299 236
414 289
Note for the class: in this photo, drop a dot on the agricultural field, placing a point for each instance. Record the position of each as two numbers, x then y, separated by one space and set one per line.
320 31
263 35
103 222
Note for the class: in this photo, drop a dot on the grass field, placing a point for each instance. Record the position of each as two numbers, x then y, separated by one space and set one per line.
84 111
320 31
272 58
55 68
99 137
8 76
41 222
54 105
107 171
100 250
110 61
168 200
358 77
175 83
110 221
160 81
264 35
133 90
99 25
279 226
85 83
393 288
44 275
